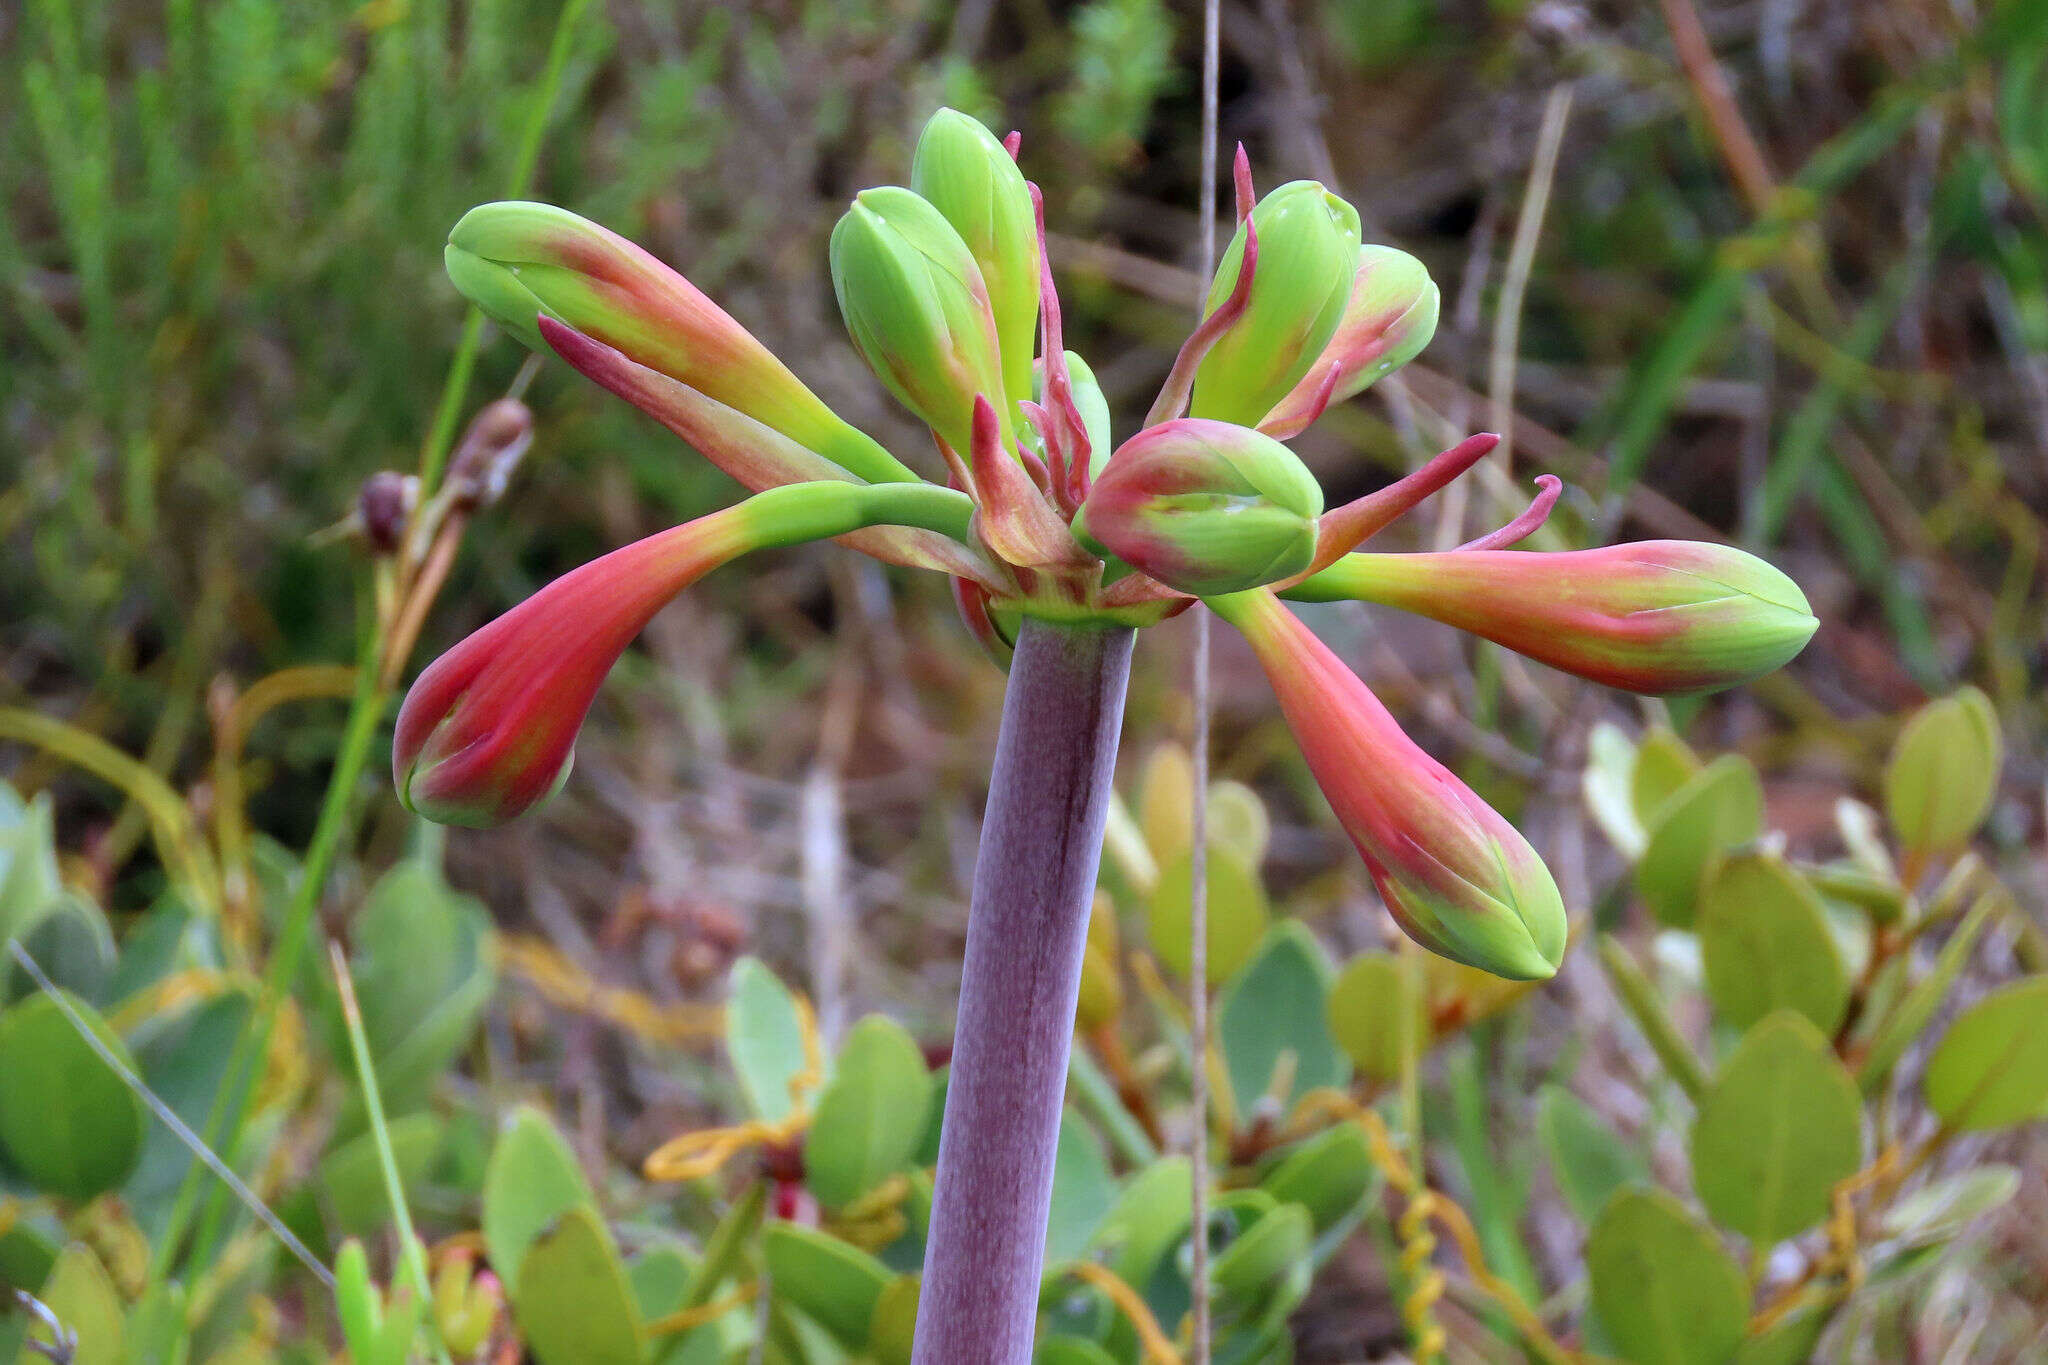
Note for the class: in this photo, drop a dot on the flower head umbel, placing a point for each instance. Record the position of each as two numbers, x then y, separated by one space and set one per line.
1033 512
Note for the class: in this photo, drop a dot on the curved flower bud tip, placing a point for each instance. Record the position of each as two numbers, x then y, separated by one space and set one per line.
488 730
918 310
968 176
1455 875
1308 249
1661 617
1389 317
1205 507
521 261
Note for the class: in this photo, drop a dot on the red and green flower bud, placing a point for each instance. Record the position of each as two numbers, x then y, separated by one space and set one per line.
489 729
1204 507
1308 249
918 310
1092 405
964 173
1389 317
519 261
1455 875
1657 616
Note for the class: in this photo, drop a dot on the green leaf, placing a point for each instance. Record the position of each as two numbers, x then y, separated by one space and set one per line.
1279 1007
1665 1290
1588 1159
1941 1210
894 1327
82 1295
1149 1217
1071 1351
1943 772
1911 1015
1238 913
1244 1271
1991 1067
835 1284
1766 945
871 1115
573 1304
1781 1126
1082 1192
1719 808
1329 1174
66 1121
1645 1005
183 1057
531 1181
1374 1014
1664 763
764 1036
421 957
1789 1342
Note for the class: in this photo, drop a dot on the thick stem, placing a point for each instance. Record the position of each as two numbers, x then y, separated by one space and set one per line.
1041 843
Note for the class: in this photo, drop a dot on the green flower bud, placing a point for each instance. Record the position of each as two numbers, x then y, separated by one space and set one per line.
1389 317
968 177
1301 279
918 310
1204 507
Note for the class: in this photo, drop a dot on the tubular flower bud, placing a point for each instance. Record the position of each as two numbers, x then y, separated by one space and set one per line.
519 261
1204 507
1389 317
1308 249
918 310
964 173
489 729
1657 616
1456 875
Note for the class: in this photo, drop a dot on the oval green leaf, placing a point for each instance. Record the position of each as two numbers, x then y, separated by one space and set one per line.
1665 1289
1991 1067
66 1121
836 1285
1279 1008
574 1304
1766 945
871 1116
1719 808
1943 772
1374 1014
1238 913
531 1180
1780 1127
764 1036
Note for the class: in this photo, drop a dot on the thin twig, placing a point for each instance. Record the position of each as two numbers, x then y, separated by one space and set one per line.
1198 816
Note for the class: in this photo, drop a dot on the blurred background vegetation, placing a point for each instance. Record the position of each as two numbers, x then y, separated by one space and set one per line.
1763 270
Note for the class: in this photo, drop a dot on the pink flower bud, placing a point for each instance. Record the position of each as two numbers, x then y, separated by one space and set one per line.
1204 507
1656 616
1455 875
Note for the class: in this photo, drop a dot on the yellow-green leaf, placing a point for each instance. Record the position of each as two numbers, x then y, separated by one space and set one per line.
1991 1067
1238 913
1765 944
531 1180
871 1116
1665 1289
764 1037
574 1305
82 1296
1664 763
1780 1127
837 1285
1943 772
1719 808
66 1120
1277 1009
1375 1016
